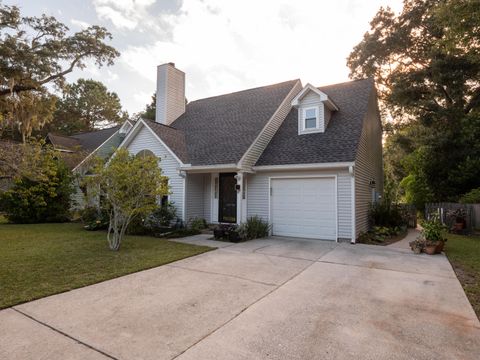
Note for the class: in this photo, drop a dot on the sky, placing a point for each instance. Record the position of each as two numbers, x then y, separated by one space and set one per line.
221 45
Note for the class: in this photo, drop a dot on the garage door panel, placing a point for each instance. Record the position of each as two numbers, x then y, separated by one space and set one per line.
304 207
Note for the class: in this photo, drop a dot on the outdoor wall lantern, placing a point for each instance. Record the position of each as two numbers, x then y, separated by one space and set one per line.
372 183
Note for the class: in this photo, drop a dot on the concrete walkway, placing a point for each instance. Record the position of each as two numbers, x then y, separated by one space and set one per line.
264 299
404 243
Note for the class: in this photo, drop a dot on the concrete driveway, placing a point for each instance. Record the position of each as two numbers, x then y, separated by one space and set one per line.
263 299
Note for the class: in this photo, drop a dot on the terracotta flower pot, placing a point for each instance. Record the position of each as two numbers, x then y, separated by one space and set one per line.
458 226
430 249
439 247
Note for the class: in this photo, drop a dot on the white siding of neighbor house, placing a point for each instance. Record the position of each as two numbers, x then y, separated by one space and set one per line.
258 196
368 164
145 140
260 144
311 99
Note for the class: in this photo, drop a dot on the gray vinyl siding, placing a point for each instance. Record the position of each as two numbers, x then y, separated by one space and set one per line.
258 196
344 205
311 99
260 144
198 197
207 201
195 192
109 147
368 164
145 140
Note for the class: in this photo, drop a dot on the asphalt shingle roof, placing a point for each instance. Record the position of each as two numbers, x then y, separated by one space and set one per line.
173 138
218 130
339 141
93 139
63 142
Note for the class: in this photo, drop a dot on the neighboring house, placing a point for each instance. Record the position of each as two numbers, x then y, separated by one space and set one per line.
77 149
308 160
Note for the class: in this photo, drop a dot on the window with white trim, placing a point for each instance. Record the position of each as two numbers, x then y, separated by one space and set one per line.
310 118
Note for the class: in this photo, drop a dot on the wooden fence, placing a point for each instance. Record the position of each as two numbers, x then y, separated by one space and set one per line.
410 213
446 213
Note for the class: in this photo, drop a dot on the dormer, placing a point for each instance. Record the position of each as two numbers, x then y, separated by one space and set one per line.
314 110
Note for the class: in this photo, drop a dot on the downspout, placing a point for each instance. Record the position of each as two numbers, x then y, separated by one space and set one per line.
351 171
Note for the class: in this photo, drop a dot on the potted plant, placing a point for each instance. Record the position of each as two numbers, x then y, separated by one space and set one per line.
417 245
432 233
459 217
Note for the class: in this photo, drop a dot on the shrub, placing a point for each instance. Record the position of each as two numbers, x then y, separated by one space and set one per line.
254 228
472 197
160 218
197 224
432 230
387 214
43 198
95 218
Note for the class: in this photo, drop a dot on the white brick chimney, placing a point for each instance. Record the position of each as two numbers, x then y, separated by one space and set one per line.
170 93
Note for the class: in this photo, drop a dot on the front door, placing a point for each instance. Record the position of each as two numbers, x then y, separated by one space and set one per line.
227 200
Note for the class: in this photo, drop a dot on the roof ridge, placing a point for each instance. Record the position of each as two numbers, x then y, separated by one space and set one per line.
240 91
345 82
160 124
61 135
95 131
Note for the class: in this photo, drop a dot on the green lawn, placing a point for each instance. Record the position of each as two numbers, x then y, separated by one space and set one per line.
464 255
44 259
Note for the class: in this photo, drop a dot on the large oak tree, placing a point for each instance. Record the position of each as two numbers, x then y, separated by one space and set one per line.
426 62
35 51
85 106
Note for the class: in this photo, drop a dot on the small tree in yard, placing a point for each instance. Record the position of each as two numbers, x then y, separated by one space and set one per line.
129 186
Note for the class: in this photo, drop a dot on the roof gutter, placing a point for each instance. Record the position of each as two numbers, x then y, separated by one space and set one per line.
315 166
214 168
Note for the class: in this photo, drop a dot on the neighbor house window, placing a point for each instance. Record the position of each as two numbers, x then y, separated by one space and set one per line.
310 118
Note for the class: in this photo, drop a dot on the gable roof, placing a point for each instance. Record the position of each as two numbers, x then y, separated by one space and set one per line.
93 139
173 138
339 141
79 147
63 142
220 129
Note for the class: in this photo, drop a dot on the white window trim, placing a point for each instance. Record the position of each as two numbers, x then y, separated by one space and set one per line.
304 118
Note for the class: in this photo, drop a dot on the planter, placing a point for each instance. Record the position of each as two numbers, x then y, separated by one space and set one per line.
431 249
458 226
439 247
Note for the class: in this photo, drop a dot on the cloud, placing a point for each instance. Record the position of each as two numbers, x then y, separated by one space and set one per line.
124 14
231 45
81 24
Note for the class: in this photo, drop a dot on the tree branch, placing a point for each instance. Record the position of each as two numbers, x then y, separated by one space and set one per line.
19 88
474 101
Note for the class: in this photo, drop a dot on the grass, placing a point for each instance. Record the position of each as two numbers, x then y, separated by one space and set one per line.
464 255
45 259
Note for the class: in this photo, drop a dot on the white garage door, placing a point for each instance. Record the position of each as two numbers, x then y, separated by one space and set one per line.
304 207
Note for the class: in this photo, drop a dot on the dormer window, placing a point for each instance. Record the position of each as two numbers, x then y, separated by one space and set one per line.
314 110
310 116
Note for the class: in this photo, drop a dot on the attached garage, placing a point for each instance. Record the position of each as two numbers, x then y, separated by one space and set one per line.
304 207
